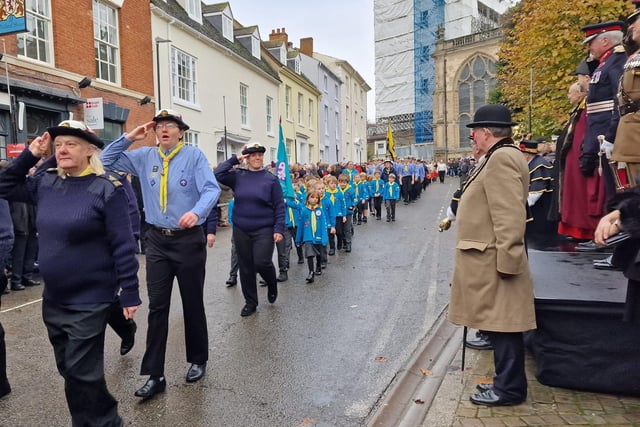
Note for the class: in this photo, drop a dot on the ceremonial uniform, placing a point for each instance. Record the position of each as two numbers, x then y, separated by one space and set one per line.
627 144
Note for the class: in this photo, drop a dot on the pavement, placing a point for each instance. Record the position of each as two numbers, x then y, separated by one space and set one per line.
545 406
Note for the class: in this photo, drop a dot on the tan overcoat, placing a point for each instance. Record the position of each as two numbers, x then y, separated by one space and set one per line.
490 222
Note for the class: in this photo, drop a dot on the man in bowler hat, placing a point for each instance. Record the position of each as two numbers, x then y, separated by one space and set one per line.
492 288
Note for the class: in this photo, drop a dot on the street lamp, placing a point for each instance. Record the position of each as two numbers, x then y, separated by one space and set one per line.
159 40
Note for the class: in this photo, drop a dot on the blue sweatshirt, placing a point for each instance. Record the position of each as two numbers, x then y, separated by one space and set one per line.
336 198
375 187
329 212
84 233
350 200
259 202
391 191
306 232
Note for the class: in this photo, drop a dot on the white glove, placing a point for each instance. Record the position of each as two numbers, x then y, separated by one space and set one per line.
533 198
450 214
606 147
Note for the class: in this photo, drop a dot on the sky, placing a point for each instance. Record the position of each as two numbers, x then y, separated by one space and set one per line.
339 28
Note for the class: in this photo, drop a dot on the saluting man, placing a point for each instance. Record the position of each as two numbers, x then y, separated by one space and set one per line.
178 190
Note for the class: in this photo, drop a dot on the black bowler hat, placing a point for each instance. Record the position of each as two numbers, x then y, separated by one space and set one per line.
165 114
594 30
254 147
530 147
75 128
493 115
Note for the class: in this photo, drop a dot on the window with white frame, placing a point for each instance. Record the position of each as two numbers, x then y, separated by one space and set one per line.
227 27
269 115
255 47
244 104
194 10
326 120
337 126
287 102
326 83
310 114
300 111
191 138
337 90
184 82
106 41
36 44
296 63
346 117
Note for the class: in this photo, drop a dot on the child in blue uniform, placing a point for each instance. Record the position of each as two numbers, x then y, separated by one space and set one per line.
390 195
376 185
312 232
362 196
350 202
335 196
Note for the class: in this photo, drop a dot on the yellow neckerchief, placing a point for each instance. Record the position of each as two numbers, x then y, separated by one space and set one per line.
377 185
391 188
87 171
355 186
164 177
313 218
293 222
345 188
332 197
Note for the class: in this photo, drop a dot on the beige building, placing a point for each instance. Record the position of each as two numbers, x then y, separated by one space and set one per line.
465 75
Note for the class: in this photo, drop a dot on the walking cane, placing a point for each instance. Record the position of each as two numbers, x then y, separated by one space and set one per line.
464 351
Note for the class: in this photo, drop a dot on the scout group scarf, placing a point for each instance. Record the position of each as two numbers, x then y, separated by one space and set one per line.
164 177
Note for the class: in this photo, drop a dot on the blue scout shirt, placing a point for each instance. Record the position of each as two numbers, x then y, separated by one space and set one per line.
337 199
192 187
391 191
307 232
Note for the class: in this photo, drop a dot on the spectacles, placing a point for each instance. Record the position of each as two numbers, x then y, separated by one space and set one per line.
166 126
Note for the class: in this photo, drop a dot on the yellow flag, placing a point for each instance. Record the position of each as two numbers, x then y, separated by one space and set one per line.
390 144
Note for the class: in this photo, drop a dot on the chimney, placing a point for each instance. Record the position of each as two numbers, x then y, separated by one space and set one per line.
306 46
279 34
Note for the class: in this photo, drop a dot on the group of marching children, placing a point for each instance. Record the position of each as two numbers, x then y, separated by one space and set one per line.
326 209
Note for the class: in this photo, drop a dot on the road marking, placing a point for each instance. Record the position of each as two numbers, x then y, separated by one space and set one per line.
21 306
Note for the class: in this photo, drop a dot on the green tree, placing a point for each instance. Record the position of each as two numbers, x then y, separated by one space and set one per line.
542 45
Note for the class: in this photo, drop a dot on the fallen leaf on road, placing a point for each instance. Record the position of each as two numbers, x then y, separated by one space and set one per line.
381 359
306 422
419 401
484 380
426 372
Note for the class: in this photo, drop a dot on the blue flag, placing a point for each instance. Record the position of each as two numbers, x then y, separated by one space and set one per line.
282 168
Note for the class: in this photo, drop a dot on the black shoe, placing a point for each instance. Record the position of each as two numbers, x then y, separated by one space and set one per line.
30 282
247 310
6 291
318 271
364 219
272 293
393 220
347 248
17 287
196 372
339 247
5 388
378 218
388 219
481 343
300 261
484 387
359 222
323 264
153 386
309 278
231 281
283 276
590 246
332 251
605 264
489 398
262 283
127 343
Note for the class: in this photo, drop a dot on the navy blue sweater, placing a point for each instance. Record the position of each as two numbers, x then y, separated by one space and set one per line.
86 251
259 203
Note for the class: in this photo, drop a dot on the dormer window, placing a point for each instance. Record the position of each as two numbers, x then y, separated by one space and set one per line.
194 9
296 64
283 54
227 28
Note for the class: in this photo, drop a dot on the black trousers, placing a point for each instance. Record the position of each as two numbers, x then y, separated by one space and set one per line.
391 208
3 361
284 248
76 333
510 381
121 326
23 257
255 250
182 256
377 206
406 188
